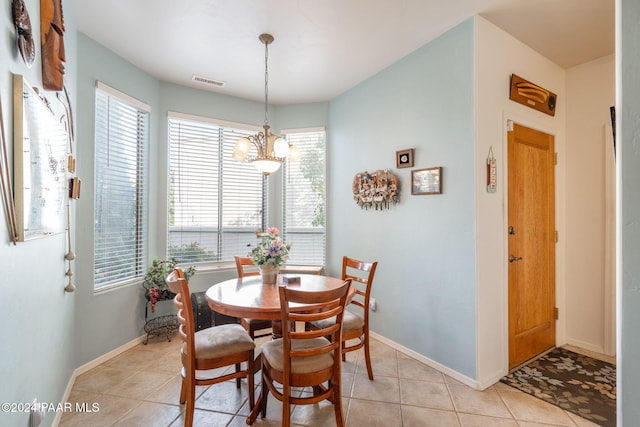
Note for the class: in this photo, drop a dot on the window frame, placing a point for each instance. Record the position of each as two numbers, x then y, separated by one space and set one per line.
230 132
293 135
140 114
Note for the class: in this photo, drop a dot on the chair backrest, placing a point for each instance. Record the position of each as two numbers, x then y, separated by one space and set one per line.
318 306
178 284
361 273
241 263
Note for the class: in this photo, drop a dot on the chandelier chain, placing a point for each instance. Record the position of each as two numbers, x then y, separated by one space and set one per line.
266 82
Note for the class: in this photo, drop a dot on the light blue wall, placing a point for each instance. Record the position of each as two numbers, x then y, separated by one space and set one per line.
106 320
424 101
425 282
628 100
37 316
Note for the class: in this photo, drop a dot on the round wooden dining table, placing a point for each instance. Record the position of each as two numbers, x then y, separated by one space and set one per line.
248 297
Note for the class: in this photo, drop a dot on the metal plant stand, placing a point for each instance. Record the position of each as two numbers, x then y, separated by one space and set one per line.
159 325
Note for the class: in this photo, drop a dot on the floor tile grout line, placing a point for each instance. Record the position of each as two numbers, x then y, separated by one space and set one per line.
348 398
399 389
504 402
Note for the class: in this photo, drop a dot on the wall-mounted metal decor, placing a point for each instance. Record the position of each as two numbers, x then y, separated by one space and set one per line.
526 93
492 172
377 190
40 165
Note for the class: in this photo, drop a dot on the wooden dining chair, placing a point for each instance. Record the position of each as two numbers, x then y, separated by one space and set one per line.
307 358
251 325
356 322
208 349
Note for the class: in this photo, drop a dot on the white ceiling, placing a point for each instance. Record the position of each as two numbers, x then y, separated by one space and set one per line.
322 48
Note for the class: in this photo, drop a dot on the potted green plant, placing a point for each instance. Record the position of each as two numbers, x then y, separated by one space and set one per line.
155 284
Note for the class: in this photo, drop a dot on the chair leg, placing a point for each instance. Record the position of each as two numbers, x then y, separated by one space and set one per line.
367 356
191 402
183 391
238 380
286 406
337 405
254 410
265 397
250 377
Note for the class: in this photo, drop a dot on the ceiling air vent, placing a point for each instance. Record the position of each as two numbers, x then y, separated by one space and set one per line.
207 81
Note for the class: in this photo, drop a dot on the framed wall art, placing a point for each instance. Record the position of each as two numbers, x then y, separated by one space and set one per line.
426 181
40 165
404 158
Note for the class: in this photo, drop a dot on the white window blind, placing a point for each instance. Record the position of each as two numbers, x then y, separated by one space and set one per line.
304 199
120 218
216 203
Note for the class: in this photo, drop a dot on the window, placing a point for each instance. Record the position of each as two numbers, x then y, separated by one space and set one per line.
303 196
215 202
120 210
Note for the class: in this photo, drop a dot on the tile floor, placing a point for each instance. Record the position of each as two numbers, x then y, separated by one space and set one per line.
140 387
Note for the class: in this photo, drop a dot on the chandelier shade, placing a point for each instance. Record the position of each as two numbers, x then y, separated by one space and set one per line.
271 149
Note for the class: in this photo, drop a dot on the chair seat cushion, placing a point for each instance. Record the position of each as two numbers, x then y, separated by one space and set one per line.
273 351
219 341
350 322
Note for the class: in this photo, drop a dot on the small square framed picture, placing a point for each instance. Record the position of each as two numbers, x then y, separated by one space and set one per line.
404 158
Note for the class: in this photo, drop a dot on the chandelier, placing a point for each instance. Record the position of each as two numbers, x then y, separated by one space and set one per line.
272 149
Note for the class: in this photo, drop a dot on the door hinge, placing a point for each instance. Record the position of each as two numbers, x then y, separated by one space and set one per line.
555 158
556 313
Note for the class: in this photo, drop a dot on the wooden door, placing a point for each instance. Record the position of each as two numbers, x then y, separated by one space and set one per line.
531 236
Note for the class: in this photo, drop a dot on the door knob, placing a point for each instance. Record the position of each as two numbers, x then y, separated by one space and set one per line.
514 258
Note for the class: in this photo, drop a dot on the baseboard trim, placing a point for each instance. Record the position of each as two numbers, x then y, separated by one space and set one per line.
435 365
587 346
90 365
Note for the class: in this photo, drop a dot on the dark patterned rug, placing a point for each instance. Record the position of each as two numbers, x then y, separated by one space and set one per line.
576 383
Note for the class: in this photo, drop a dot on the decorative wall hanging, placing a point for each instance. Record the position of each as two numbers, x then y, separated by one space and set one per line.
492 173
526 93
24 32
74 183
426 181
52 41
404 158
5 183
378 190
40 165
